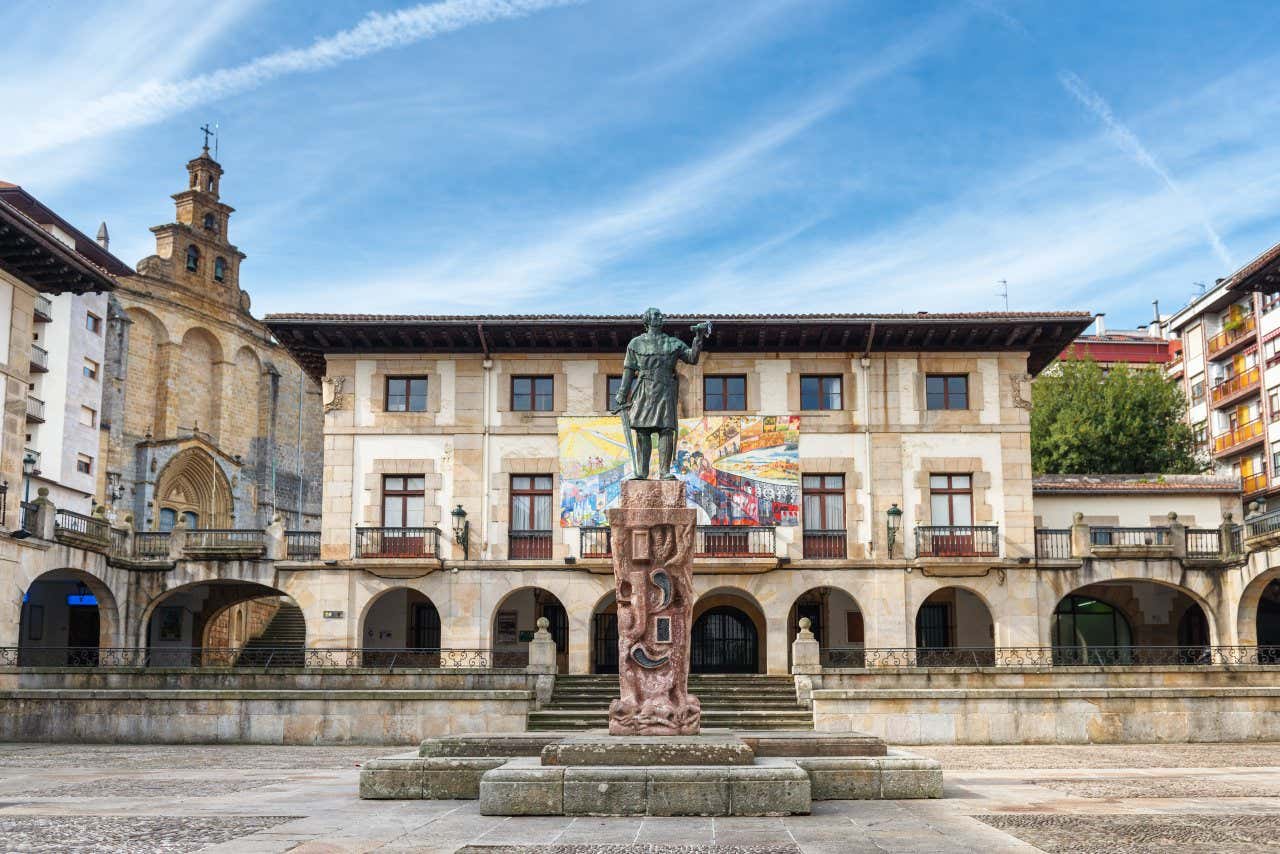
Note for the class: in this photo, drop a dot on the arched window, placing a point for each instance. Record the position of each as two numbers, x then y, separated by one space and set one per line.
191 518
168 518
219 269
193 259
210 223
208 184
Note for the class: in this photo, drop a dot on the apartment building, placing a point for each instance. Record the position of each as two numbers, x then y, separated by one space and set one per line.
1230 371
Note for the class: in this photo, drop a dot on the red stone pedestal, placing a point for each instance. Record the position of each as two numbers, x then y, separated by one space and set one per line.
653 539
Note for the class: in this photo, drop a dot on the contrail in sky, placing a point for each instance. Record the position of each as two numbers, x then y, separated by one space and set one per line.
154 101
1129 141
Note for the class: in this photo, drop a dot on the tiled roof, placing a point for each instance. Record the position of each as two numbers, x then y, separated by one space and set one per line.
1134 483
430 318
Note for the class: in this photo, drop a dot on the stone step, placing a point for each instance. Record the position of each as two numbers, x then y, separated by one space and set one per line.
709 717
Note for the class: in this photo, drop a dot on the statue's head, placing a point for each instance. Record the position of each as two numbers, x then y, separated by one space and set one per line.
653 319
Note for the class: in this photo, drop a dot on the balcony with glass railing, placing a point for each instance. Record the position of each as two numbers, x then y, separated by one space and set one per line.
1251 483
1235 387
1235 333
1242 436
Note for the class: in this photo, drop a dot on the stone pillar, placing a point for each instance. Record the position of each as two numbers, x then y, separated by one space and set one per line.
542 663
806 663
277 549
1177 536
46 514
1081 544
178 538
1226 537
653 540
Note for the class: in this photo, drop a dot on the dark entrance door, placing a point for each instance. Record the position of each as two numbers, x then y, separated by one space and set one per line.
932 626
82 635
605 643
426 626
724 641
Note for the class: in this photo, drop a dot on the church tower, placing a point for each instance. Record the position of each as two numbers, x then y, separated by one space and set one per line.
195 250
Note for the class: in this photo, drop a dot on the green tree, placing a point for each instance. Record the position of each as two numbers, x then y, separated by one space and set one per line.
1088 421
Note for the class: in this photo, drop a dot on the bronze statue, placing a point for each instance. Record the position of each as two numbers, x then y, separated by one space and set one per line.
647 398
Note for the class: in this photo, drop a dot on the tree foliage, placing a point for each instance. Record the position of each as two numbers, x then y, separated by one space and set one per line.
1088 421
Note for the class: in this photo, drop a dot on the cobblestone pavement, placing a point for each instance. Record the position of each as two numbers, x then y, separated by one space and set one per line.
1133 799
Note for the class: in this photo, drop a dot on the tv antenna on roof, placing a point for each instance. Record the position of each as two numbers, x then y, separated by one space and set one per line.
1004 292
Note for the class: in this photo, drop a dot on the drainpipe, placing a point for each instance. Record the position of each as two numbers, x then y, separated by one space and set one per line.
864 380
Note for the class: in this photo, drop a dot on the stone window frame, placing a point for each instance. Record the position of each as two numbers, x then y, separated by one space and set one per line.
433 481
725 375
946 392
824 420
979 484
605 368
855 549
504 370
385 369
820 408
950 365
386 383
533 393
500 503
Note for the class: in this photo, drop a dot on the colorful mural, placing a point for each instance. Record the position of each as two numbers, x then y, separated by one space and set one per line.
737 470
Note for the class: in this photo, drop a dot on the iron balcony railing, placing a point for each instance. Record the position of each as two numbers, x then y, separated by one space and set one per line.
1263 523
1108 535
1204 543
43 310
119 542
151 545
85 526
529 545
595 542
1240 329
1049 656
1245 433
734 541
1053 543
302 545
28 511
398 542
957 541
826 544
253 658
226 539
39 359
35 409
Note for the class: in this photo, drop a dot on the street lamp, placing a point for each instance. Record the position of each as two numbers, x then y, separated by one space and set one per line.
461 529
894 516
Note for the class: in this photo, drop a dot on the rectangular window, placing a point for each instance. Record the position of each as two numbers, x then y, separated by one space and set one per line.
404 501
612 384
1197 391
951 499
1201 432
1273 400
531 502
406 394
532 394
823 502
946 391
1270 301
84 464
88 416
93 323
91 369
724 393
821 393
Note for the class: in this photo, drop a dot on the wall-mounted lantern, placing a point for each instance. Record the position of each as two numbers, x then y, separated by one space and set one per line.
894 521
461 529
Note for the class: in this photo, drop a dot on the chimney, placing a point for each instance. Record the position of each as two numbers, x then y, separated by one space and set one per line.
1100 324
104 239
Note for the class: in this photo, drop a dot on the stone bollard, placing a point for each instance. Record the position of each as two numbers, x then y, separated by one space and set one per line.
46 515
178 538
277 548
1177 535
542 663
1081 542
806 663
1226 536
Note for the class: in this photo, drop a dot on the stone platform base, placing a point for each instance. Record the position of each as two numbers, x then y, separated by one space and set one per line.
567 773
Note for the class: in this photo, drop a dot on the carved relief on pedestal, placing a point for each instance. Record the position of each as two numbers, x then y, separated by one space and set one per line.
653 538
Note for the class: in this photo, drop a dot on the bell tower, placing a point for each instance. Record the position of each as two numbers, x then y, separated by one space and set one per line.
195 247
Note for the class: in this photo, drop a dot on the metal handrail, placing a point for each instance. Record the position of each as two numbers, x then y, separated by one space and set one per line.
43 308
225 538
39 358
735 541
1053 543
825 544
1245 432
397 542
957 541
529 545
151 544
1227 337
302 545
1048 656
35 408
1204 543
1263 523
1111 535
254 658
79 523
595 541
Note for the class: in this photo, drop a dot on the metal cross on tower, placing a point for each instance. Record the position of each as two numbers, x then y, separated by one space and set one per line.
207 134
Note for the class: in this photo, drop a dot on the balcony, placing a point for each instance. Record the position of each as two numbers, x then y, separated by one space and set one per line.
529 545
1128 538
1252 483
1246 434
825 545
302 545
595 542
151 545
43 311
957 541
734 541
1234 387
1053 543
77 526
35 410
39 360
398 542
227 543
1229 339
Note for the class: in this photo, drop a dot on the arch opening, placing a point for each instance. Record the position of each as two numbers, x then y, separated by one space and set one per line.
67 618
1268 623
1129 622
728 634
193 488
837 624
225 623
604 635
400 626
516 619
954 627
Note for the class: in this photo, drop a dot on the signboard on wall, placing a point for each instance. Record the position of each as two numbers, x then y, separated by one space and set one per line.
737 469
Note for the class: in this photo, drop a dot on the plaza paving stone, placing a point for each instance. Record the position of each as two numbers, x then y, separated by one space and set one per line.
1130 799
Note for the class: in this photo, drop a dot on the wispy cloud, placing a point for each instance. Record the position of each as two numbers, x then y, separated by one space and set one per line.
1129 142
155 100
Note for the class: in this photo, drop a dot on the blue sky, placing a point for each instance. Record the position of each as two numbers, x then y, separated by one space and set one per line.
706 155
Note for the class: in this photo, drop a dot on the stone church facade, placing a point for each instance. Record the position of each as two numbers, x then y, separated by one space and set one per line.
206 418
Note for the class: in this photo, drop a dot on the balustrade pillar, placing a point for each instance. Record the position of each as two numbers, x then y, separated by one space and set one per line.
1177 536
1081 542
46 515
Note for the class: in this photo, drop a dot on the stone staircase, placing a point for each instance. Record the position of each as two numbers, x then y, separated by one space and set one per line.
286 633
735 702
